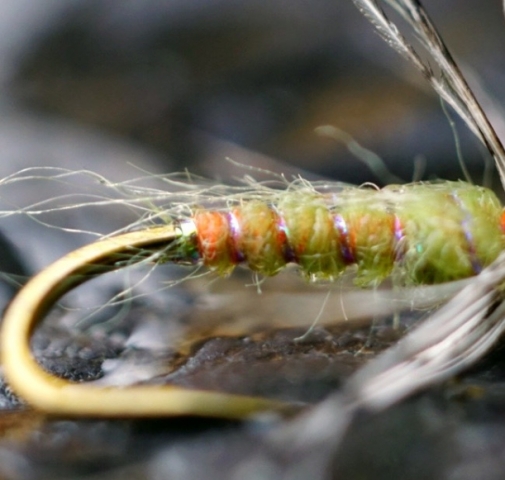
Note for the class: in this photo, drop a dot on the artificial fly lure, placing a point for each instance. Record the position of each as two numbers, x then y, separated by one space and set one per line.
422 233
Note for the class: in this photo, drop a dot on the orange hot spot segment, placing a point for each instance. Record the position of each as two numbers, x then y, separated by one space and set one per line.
213 238
251 233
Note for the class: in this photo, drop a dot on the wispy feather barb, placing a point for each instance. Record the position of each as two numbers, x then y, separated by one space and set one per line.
446 79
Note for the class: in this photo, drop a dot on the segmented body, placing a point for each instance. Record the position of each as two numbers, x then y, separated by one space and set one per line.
419 233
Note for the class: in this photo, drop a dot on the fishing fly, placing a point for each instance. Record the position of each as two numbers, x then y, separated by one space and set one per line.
415 234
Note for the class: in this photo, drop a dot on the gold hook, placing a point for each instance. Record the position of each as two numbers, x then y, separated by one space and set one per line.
57 396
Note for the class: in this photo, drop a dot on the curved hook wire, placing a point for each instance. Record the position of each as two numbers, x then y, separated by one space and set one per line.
54 395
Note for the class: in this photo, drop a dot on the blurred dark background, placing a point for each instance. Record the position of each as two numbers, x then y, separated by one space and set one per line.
181 78
119 86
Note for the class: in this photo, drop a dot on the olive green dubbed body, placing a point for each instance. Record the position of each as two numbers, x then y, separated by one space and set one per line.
421 233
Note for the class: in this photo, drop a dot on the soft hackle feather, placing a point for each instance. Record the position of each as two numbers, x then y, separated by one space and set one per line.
444 75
